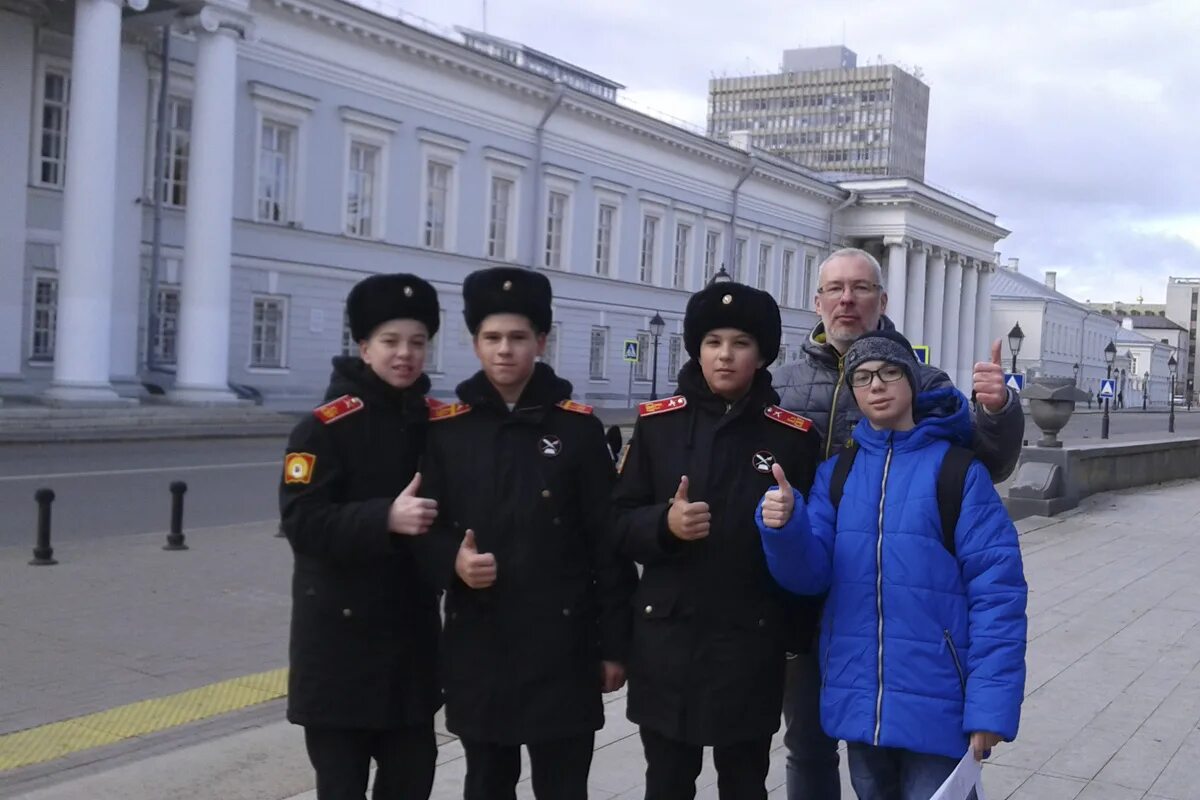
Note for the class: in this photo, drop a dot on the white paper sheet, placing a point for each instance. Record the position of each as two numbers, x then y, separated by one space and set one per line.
967 775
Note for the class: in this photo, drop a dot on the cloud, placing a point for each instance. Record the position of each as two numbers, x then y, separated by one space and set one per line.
1074 121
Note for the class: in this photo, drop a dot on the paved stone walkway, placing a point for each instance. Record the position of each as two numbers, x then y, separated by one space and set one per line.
1112 707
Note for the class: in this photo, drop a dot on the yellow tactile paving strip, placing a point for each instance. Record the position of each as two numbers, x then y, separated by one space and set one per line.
58 739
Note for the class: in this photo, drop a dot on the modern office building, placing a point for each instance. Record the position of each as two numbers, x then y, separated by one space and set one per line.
826 112
309 143
1183 300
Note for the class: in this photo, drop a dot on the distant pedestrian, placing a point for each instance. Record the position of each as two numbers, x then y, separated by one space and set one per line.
363 652
614 441
1089 394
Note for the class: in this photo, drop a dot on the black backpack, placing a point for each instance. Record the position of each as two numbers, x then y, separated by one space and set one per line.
952 477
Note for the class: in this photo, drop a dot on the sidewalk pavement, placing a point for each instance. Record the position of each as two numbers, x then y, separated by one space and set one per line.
1111 711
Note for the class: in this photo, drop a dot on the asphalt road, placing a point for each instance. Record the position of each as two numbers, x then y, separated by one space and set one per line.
107 489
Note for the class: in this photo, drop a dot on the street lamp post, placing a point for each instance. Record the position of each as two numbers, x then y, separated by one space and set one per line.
1075 370
1171 365
721 277
1015 339
657 325
1110 355
1145 389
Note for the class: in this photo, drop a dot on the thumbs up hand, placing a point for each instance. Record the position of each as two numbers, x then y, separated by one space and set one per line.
988 382
412 515
477 570
688 521
778 503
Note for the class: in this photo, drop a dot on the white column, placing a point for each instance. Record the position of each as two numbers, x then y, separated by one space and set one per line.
83 335
951 316
914 310
935 294
17 35
897 279
966 327
203 372
983 314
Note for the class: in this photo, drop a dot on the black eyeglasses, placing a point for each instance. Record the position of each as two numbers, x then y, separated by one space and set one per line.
889 373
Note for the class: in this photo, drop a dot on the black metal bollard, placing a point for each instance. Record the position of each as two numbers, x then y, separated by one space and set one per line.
43 553
175 537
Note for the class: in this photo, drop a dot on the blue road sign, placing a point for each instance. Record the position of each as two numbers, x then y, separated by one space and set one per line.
922 352
631 350
1015 381
1108 389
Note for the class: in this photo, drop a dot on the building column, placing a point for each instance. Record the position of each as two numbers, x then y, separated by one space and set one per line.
935 295
914 311
951 316
83 334
983 314
966 326
897 278
205 286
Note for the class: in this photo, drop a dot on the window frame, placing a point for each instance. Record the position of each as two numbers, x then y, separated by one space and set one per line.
507 169
603 375
679 267
448 151
46 63
361 128
762 278
553 185
159 316
288 109
612 268
710 269
643 368
675 340
655 254
553 340
284 317
38 275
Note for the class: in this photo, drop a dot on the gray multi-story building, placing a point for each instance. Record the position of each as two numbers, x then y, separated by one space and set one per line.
1183 300
309 143
826 112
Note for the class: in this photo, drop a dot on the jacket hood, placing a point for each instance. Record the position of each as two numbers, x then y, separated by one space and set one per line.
544 389
351 375
817 347
942 415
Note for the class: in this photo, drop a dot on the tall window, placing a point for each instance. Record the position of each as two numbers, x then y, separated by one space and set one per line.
52 148
175 162
551 355
437 203
683 234
739 259
605 219
276 172
597 361
166 316
45 317
674 354
764 265
348 342
785 281
810 278
266 335
641 370
649 248
361 189
712 246
498 215
433 348
556 222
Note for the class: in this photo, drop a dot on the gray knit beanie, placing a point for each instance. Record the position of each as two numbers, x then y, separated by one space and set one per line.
888 346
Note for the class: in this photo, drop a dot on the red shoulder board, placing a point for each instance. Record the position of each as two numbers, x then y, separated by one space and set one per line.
649 409
433 402
447 411
785 417
334 410
571 405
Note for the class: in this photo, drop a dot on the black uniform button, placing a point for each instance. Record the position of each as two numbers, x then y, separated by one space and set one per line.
557 521
347 613
545 492
566 612
762 623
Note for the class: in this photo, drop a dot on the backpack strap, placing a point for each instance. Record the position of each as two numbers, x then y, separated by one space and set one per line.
841 470
951 481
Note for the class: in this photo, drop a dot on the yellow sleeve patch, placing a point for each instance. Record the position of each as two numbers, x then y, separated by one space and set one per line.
448 411
298 468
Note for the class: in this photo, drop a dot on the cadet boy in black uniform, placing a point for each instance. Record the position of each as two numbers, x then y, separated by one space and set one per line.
365 623
537 615
711 627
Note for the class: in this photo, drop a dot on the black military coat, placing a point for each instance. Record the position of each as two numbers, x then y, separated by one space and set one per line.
521 659
365 621
711 627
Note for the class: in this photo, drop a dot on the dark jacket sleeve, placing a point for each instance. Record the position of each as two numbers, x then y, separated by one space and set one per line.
615 575
998 437
437 551
640 520
313 520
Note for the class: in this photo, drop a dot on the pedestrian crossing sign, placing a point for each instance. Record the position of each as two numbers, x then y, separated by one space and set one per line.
631 351
1015 381
922 353
1108 389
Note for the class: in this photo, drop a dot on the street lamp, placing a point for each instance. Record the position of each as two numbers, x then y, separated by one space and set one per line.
721 277
1075 369
1171 365
1110 355
657 325
1015 339
1145 389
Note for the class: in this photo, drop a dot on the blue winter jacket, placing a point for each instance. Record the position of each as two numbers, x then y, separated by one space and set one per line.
918 648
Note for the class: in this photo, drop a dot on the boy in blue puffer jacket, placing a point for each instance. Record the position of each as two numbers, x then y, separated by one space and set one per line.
922 649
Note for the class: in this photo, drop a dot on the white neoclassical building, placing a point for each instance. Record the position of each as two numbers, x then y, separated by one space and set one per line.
308 143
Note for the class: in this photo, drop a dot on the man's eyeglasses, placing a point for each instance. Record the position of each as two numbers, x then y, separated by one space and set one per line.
889 373
860 290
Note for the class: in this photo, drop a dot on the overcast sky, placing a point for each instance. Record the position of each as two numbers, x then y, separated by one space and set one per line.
1076 121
